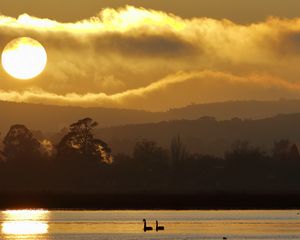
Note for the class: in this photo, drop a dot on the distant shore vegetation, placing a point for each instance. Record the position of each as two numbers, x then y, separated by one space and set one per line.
80 162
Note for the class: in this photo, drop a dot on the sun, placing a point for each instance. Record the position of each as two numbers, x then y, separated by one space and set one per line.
24 58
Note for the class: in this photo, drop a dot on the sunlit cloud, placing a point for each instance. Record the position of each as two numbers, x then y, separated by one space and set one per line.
172 85
129 57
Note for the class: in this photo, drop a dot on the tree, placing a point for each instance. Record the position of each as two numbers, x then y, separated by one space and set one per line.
149 155
246 166
79 143
243 153
284 150
2 156
178 151
19 144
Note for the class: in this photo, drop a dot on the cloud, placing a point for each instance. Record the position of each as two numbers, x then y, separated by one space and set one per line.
129 57
223 85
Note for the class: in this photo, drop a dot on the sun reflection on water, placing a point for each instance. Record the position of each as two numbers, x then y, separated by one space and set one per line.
27 228
25 222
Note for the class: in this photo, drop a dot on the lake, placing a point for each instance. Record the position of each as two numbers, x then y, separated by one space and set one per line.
128 225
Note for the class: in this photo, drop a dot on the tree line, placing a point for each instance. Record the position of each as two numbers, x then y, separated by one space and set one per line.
80 162
78 144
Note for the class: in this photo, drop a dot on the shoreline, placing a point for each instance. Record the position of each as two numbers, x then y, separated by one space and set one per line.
54 201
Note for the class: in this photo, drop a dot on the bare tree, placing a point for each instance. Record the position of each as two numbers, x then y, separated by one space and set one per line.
178 151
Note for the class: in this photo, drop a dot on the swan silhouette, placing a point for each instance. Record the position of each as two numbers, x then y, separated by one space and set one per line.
159 228
145 226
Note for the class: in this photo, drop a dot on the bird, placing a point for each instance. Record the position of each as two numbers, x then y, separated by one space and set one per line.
224 238
159 228
145 226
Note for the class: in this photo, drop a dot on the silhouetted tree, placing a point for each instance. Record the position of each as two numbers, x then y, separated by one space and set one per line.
178 151
149 153
19 144
294 153
79 143
151 165
2 157
242 152
284 150
246 166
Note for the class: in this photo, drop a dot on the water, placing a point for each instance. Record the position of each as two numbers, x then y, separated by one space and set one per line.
127 225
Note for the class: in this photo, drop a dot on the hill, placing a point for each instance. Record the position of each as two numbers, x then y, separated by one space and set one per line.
53 118
206 135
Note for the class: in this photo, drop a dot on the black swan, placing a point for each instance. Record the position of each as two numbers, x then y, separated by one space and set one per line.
159 228
145 226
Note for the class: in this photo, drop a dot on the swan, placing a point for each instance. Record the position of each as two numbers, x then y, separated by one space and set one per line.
159 228
145 226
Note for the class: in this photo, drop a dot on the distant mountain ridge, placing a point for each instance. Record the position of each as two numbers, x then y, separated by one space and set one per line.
49 118
206 135
252 109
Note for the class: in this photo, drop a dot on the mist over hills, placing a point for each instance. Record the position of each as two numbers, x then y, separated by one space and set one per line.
50 118
206 135
152 167
53 118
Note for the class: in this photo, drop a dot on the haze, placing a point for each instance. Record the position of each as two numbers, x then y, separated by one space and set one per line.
155 56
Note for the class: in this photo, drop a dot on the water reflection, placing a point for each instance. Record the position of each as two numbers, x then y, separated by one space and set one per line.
25 222
23 227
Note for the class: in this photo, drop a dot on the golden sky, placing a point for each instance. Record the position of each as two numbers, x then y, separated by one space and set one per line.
155 55
242 11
